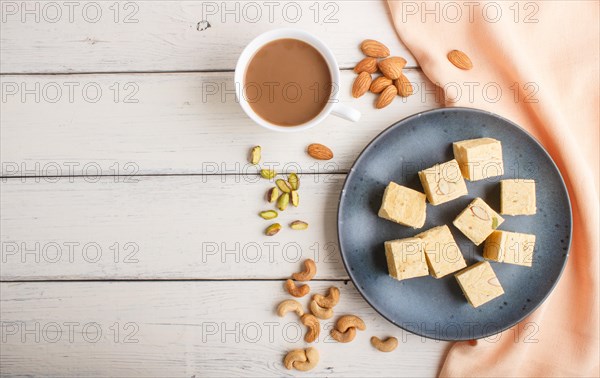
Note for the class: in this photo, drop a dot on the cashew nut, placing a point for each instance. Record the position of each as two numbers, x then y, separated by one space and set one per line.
312 359
329 301
296 291
320 312
296 355
386 345
313 325
348 321
343 337
310 269
289 305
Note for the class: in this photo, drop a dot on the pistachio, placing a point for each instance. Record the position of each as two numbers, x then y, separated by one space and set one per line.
294 181
298 225
494 223
283 201
295 198
269 214
267 173
272 195
255 155
283 186
273 229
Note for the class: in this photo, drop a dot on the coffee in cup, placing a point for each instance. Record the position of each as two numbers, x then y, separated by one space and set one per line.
287 82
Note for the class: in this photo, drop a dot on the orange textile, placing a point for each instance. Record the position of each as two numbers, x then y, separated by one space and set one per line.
537 64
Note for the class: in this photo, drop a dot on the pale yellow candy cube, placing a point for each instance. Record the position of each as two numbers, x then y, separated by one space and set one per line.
442 252
479 158
517 197
479 283
406 258
510 247
478 221
403 205
443 182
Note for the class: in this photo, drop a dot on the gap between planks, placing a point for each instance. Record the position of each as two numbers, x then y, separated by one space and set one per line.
163 175
156 72
172 328
183 227
163 35
174 126
67 280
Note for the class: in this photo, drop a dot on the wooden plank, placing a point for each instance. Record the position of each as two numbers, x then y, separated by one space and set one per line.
201 329
147 36
163 227
169 124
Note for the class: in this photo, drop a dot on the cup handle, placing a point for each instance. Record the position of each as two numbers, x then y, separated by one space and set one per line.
346 112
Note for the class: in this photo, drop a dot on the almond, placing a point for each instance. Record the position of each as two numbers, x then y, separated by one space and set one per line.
366 65
386 97
361 84
319 152
460 60
392 67
403 86
374 49
380 84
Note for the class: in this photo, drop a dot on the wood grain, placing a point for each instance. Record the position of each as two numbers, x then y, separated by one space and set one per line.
201 329
164 227
138 212
150 36
170 124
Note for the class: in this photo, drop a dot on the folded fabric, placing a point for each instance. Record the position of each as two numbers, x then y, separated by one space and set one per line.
537 64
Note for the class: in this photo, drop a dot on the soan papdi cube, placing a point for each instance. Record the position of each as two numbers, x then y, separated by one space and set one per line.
442 252
517 197
479 158
479 283
405 258
403 205
443 182
510 247
478 221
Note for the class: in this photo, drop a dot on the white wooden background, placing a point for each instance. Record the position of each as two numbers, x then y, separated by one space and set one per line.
130 240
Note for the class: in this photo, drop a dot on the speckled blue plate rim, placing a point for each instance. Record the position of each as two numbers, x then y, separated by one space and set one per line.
403 122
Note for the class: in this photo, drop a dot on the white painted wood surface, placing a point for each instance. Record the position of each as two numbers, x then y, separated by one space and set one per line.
161 227
182 329
166 248
174 127
150 36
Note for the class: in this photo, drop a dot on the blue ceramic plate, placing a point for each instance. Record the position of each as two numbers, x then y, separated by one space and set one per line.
436 308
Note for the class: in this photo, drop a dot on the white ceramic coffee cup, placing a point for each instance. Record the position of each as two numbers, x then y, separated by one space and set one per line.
333 106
